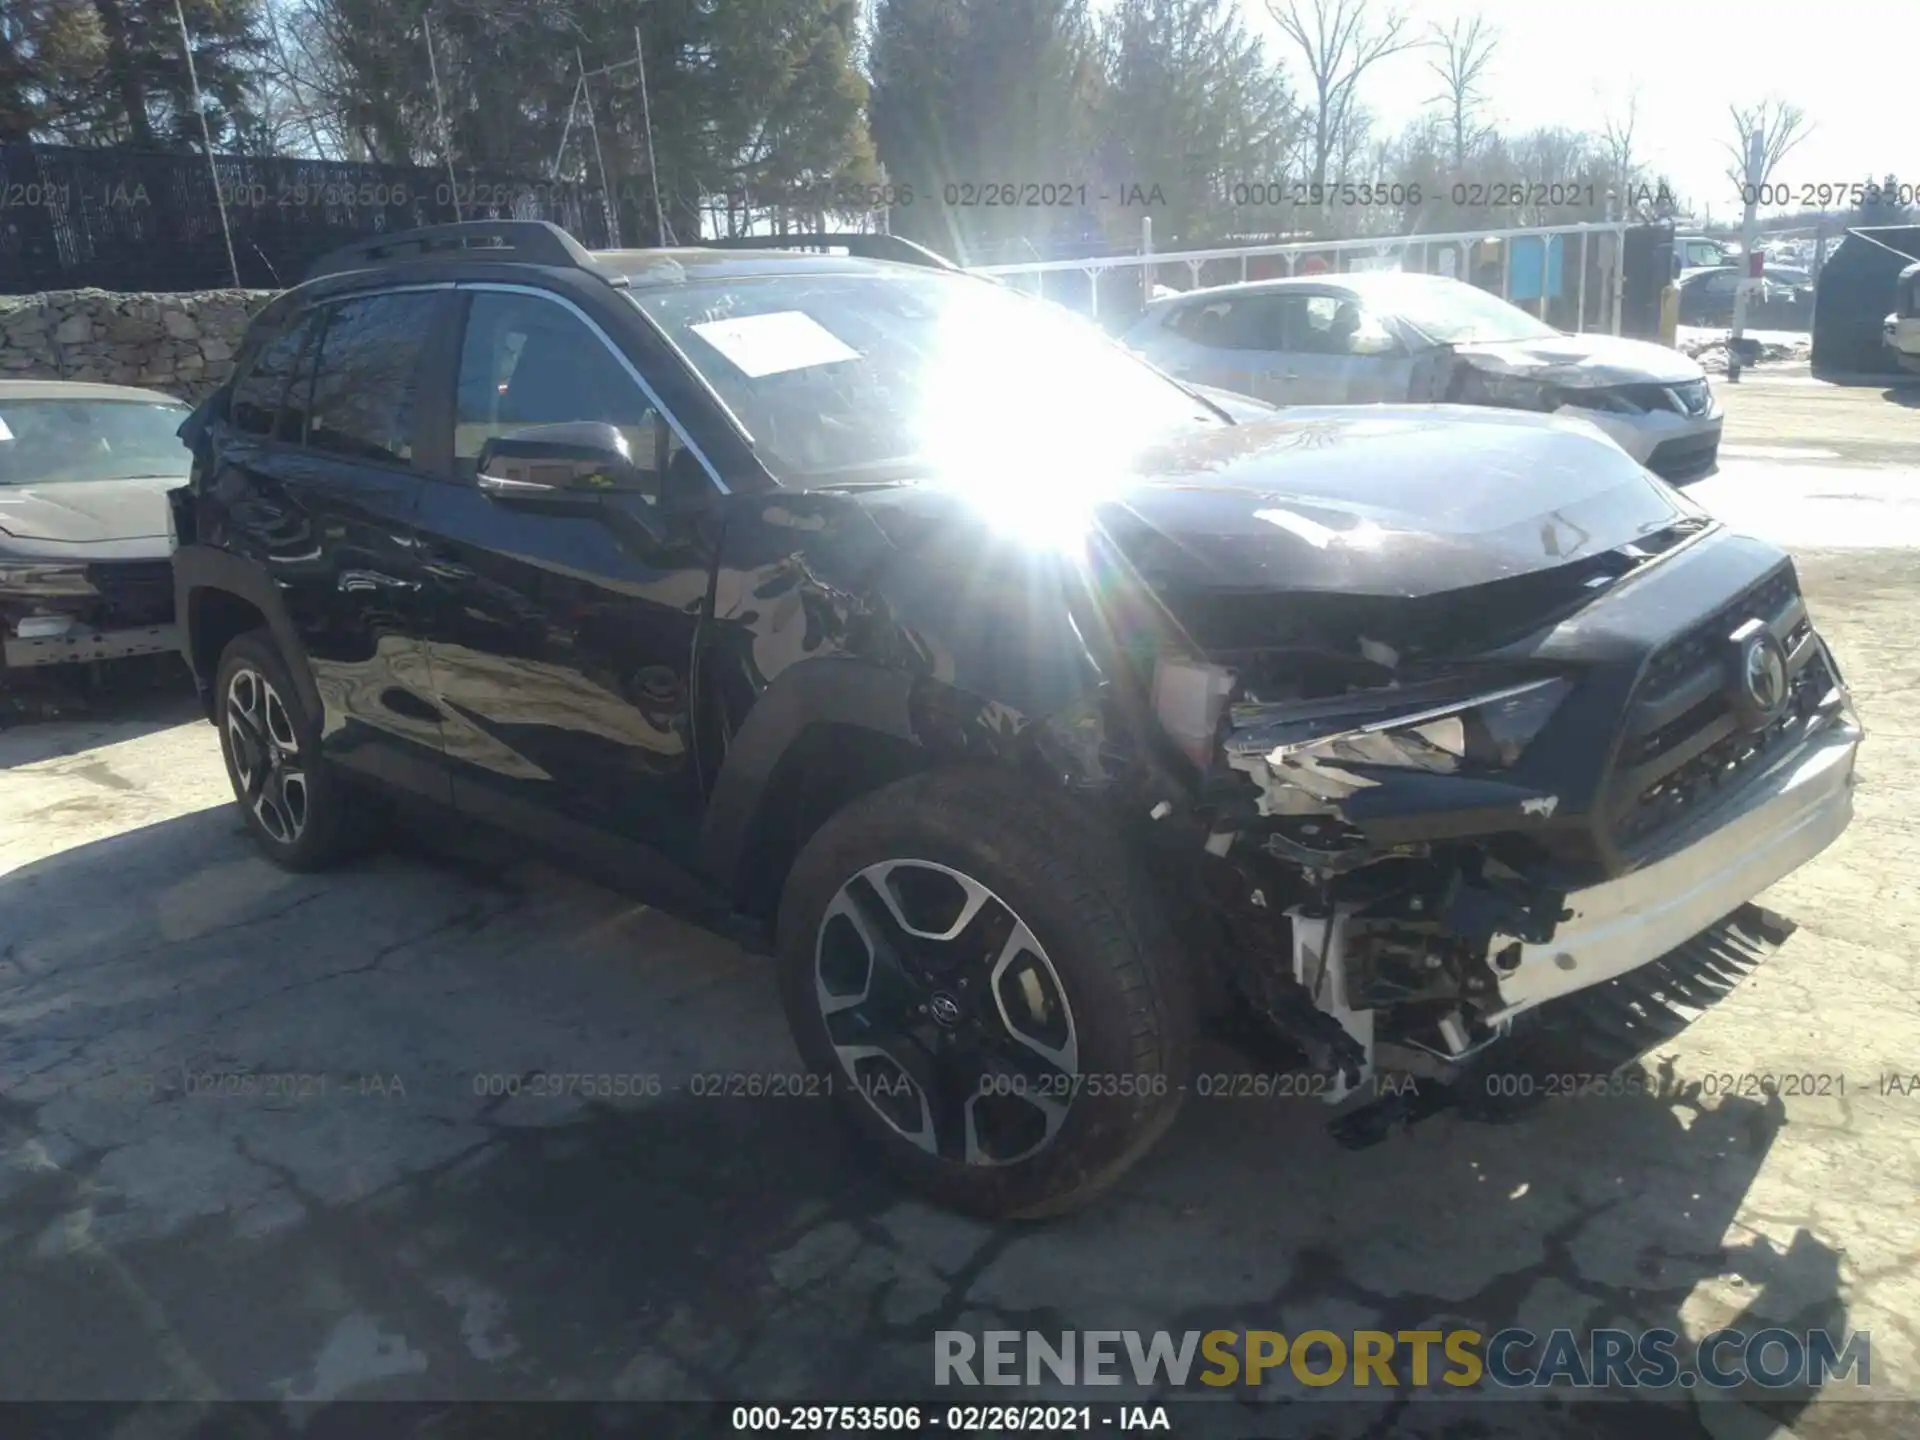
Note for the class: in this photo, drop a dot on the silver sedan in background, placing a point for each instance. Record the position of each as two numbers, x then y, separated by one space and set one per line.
1388 336
84 543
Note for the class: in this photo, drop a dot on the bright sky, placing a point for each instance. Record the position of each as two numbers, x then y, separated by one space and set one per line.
1849 64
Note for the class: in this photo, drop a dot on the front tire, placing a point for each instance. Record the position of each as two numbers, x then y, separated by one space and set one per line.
299 810
985 979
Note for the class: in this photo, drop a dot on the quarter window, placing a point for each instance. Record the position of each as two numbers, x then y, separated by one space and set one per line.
368 376
256 399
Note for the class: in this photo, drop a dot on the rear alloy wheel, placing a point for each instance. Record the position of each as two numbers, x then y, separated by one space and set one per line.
300 811
980 973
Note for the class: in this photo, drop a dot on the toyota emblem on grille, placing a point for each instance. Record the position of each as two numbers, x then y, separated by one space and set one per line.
1759 679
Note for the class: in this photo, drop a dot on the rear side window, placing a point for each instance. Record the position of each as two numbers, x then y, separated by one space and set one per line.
257 397
1244 322
367 376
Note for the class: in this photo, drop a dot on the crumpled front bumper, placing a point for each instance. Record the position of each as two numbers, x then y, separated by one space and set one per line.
82 644
1778 822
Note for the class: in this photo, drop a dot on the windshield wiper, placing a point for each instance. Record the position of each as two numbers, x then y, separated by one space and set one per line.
867 484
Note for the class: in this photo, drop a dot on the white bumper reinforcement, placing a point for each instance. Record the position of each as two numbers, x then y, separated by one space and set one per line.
1773 826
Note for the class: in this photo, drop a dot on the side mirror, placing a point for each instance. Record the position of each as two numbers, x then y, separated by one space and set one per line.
1369 341
559 466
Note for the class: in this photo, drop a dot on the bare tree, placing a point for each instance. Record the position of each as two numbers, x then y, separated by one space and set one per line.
1616 143
1781 126
1340 44
1466 50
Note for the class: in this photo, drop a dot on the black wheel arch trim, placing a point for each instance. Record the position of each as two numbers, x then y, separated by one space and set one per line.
200 568
824 690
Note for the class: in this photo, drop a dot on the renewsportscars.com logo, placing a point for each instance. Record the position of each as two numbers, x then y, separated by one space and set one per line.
1511 1359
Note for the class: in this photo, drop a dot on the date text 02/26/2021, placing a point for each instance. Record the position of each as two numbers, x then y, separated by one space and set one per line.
949 1419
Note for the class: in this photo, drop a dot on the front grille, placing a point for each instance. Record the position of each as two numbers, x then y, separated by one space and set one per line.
1684 459
1651 397
1684 744
132 593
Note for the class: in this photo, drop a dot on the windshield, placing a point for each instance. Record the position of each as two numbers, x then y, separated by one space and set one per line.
48 440
1451 312
851 377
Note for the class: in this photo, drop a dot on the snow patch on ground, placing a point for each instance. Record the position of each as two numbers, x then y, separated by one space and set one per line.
1709 346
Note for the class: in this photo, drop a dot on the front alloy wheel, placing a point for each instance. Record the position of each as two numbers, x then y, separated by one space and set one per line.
301 814
268 768
980 970
945 1012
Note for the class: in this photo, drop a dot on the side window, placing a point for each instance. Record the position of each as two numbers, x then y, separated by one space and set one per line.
1247 322
257 396
1330 325
525 361
368 376
1722 285
292 424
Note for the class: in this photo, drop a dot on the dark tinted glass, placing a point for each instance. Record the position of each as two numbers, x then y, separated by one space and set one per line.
256 398
525 361
365 383
292 424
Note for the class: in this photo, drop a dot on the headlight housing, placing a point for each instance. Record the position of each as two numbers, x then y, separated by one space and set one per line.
30 592
1433 728
1519 392
1189 697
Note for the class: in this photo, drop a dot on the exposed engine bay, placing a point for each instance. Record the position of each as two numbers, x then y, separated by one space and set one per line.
1405 848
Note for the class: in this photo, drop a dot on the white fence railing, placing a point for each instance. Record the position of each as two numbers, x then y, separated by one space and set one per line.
1428 253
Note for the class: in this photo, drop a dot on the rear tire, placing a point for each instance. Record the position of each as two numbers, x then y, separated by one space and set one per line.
302 814
991 989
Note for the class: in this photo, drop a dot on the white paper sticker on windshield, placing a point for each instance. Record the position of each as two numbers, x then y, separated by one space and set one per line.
5 433
769 344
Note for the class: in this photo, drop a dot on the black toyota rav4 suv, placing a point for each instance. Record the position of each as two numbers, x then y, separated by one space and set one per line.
1027 708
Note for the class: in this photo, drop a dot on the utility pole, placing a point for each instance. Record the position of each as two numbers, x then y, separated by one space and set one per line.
606 190
206 141
1749 243
661 236
440 113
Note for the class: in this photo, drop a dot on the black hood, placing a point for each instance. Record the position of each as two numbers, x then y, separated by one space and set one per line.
1403 501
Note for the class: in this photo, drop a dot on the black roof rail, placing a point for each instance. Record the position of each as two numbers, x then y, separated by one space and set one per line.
529 242
865 246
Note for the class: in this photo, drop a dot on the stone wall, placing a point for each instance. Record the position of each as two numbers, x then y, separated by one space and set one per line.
180 344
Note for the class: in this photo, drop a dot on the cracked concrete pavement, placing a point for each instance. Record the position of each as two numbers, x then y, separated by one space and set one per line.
375 1220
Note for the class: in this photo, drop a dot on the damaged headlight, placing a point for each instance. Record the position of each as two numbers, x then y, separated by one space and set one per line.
1414 728
45 581
1518 392
1188 699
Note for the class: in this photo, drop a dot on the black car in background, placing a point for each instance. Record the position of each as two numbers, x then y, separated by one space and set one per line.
1028 710
1783 300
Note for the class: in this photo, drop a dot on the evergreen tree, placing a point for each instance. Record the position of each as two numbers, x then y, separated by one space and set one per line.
971 97
1195 107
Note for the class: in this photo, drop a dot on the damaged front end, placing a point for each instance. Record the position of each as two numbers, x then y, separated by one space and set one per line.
75 612
1406 849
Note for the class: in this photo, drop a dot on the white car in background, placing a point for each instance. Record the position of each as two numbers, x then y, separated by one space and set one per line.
84 543
1390 337
1902 328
